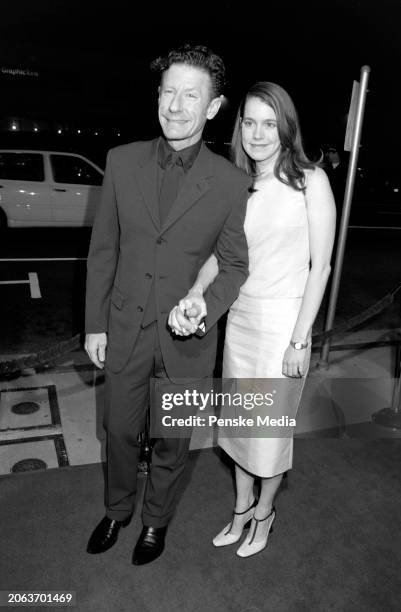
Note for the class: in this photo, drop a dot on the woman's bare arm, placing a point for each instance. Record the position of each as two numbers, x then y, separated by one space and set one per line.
321 213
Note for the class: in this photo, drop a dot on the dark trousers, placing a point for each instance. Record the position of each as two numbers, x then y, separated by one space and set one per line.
126 404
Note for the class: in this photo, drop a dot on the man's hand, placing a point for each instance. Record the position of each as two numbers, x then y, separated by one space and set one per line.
184 319
95 346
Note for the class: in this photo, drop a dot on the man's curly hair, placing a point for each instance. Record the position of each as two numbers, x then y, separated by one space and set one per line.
199 56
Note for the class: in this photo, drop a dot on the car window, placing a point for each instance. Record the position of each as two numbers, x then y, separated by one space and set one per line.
71 169
22 166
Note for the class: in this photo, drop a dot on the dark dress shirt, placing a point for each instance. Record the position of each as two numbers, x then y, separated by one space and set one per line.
172 168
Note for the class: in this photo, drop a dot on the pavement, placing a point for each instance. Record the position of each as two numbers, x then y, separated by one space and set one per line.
53 417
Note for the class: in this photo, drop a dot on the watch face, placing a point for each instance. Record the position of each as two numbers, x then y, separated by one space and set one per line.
299 345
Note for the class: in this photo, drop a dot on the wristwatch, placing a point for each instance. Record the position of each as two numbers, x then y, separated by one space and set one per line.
299 345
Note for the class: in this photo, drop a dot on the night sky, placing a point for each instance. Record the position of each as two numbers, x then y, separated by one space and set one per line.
93 62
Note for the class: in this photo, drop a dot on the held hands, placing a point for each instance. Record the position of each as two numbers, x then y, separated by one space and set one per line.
296 361
185 318
95 346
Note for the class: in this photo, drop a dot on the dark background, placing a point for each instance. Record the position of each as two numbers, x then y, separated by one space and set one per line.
93 66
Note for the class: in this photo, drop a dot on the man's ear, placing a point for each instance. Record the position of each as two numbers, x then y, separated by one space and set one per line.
214 107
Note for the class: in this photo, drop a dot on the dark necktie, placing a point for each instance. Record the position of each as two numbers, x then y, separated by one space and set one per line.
170 184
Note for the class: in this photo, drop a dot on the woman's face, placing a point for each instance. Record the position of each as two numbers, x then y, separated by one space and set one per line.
259 133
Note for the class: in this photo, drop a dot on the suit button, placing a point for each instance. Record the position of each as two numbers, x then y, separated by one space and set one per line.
159 241
148 275
139 308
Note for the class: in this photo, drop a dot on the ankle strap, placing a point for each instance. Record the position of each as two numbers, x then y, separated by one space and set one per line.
260 521
253 504
266 517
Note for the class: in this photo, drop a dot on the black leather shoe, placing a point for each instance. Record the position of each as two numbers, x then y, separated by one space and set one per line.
150 545
105 535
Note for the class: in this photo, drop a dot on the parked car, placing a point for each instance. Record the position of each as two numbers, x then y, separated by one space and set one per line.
47 188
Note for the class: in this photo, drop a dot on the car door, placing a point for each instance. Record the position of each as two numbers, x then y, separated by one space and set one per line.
24 193
75 189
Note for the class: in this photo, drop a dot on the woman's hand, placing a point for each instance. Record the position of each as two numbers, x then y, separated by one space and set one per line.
296 361
193 306
185 318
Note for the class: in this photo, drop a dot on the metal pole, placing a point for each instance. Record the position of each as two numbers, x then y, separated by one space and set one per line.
349 189
391 417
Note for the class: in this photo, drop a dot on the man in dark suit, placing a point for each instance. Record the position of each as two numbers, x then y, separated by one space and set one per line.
166 205
337 170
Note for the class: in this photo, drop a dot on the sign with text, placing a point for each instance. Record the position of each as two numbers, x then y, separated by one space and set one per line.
351 117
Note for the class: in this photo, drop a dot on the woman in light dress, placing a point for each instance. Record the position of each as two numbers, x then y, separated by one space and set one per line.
290 226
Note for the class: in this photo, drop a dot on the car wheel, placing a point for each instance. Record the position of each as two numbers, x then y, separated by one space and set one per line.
3 219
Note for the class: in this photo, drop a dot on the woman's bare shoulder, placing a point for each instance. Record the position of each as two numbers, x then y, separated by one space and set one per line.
315 176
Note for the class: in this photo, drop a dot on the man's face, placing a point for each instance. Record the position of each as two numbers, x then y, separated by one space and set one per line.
185 104
333 156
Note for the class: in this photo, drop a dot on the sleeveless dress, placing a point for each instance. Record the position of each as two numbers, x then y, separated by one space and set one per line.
261 321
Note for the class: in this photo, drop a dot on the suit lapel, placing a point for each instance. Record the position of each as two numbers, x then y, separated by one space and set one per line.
195 185
148 183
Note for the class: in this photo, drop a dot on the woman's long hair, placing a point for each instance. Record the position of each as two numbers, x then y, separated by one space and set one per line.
292 160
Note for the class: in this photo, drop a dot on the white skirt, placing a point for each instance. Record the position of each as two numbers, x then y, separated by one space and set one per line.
257 335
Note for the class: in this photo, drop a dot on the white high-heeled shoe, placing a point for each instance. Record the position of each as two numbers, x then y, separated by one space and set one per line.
251 547
224 538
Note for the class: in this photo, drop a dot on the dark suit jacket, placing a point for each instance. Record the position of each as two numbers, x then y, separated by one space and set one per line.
337 177
129 250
